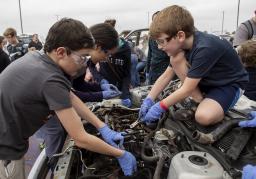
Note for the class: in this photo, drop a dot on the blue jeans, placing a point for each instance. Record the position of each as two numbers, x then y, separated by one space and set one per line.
134 73
54 136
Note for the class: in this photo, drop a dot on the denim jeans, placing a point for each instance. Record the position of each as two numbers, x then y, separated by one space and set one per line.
140 68
54 136
134 73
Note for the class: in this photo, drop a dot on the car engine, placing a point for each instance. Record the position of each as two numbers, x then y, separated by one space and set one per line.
174 148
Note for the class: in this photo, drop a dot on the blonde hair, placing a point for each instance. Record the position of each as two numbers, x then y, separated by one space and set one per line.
247 53
171 20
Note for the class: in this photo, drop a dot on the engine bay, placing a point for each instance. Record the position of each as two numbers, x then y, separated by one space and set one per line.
174 148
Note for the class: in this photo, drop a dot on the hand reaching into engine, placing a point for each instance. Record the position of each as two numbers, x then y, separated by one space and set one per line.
111 137
249 123
249 172
107 87
128 163
154 113
110 94
127 102
146 105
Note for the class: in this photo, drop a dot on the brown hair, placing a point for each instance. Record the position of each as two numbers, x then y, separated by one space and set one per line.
171 20
247 53
1 39
111 22
10 31
69 33
105 35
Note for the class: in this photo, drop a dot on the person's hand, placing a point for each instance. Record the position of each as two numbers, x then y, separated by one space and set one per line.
127 102
154 113
128 163
109 94
249 172
147 103
107 87
111 137
249 123
104 81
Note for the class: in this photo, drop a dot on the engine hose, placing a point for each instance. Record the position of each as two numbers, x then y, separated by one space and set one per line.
153 158
89 172
216 134
215 153
159 166
145 157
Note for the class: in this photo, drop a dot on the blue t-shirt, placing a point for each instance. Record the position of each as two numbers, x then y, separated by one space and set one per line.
215 61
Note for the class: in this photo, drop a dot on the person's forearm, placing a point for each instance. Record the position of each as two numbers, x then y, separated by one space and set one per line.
176 97
84 112
95 144
184 91
161 83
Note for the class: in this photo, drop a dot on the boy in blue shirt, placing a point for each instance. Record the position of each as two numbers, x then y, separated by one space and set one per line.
208 66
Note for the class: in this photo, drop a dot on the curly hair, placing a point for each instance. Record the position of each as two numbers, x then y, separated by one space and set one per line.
247 53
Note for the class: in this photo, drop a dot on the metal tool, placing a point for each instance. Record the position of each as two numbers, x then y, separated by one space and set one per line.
134 124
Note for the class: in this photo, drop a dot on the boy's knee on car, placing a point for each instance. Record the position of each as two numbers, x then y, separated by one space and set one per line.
206 118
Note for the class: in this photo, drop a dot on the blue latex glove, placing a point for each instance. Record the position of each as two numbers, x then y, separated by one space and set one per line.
249 123
147 103
154 113
109 94
107 87
104 81
249 172
111 137
127 102
128 163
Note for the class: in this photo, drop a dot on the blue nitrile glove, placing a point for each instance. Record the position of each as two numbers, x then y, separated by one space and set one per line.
111 137
147 103
109 94
128 163
249 172
249 123
107 87
154 113
104 81
127 102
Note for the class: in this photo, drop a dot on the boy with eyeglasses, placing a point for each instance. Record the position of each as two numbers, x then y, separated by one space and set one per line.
208 66
37 86
105 37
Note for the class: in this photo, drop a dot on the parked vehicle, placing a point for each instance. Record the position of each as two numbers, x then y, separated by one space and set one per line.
140 38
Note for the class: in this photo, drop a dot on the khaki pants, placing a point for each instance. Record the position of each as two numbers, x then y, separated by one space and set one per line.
13 169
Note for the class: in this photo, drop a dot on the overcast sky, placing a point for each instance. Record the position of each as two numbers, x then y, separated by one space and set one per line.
39 15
